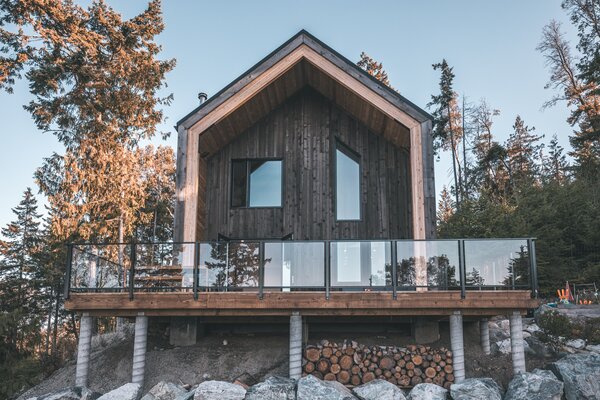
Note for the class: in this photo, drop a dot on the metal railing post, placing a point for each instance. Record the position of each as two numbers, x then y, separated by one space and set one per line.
261 269
196 273
462 268
68 271
394 253
533 268
132 270
327 260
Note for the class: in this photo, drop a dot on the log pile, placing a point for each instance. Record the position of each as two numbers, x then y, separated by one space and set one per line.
353 364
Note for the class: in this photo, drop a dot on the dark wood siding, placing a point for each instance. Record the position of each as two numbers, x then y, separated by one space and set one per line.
303 132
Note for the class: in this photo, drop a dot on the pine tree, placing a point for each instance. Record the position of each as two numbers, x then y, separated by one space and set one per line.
99 104
22 312
555 165
580 94
447 123
445 206
374 68
523 153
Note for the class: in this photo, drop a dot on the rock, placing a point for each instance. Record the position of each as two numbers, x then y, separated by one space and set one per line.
502 346
75 393
165 391
526 334
504 325
428 391
245 380
595 348
311 388
580 374
578 344
187 396
217 390
274 388
537 385
379 389
532 328
129 391
476 389
538 348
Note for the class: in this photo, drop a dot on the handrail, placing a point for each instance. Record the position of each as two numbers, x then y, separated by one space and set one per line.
442 271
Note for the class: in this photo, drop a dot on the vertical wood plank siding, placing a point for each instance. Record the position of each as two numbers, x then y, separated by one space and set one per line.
303 132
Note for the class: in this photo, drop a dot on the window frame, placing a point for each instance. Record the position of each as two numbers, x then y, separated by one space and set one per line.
355 156
247 162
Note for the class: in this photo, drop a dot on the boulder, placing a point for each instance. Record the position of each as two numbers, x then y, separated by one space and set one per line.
580 374
187 396
476 389
428 391
533 328
274 388
165 391
75 393
538 348
379 389
217 390
536 385
578 344
594 348
311 388
129 391
503 347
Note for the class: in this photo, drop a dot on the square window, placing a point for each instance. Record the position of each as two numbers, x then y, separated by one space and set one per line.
256 183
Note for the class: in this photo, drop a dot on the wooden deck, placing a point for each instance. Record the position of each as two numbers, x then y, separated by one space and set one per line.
431 303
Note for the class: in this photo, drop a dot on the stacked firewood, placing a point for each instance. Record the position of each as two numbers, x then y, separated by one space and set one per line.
353 364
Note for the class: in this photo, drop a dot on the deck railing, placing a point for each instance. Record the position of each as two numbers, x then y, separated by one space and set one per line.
283 266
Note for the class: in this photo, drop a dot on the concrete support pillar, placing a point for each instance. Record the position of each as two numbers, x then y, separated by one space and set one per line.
516 342
457 343
183 331
484 329
139 349
295 345
83 350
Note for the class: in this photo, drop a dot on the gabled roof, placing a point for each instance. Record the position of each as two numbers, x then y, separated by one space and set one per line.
303 38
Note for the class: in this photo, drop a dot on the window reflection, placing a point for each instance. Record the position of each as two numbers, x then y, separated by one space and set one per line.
347 185
366 264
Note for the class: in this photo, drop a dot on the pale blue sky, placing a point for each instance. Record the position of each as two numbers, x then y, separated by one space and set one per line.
490 44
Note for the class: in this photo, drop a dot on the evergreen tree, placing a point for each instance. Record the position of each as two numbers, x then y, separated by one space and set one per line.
445 206
555 165
374 68
580 94
523 152
22 311
447 123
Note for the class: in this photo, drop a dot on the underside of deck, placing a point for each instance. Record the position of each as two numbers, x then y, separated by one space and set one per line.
431 303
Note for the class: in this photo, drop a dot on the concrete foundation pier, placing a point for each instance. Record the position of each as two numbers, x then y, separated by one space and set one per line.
516 342
295 345
83 350
139 349
457 344
484 330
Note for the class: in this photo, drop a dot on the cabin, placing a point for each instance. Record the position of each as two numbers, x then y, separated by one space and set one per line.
305 190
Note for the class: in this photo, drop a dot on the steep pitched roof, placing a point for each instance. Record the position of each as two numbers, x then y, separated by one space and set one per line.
285 50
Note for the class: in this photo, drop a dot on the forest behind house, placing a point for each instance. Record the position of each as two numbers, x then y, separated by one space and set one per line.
95 79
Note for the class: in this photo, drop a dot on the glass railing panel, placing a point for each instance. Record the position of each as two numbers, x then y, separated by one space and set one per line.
100 267
361 264
431 263
497 263
243 265
164 266
294 265
212 266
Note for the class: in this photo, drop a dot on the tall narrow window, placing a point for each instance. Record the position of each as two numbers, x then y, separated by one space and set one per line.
347 179
256 183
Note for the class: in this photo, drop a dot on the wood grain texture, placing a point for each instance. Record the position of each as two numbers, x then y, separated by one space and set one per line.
303 133
308 303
